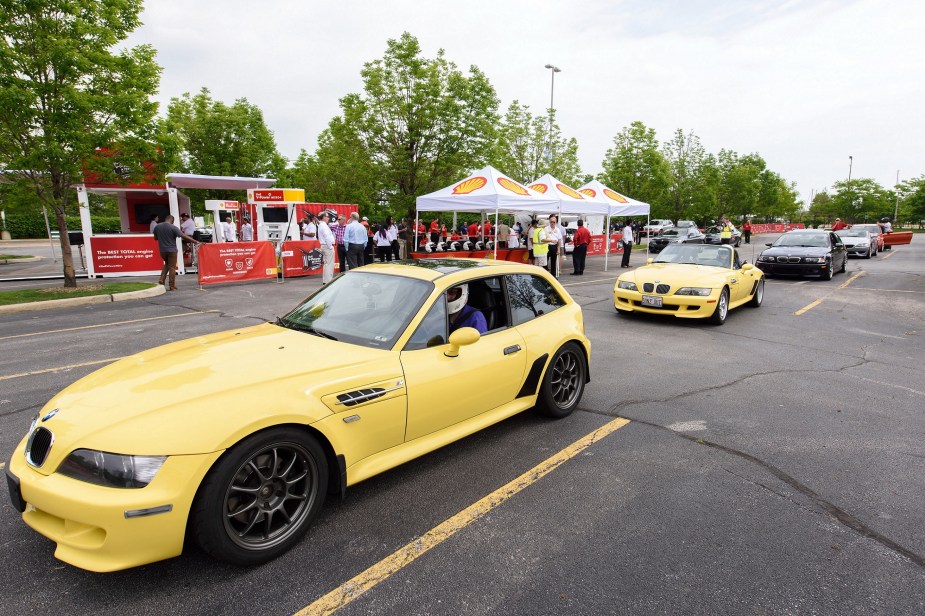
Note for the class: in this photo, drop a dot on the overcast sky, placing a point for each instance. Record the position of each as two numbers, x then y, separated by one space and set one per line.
806 84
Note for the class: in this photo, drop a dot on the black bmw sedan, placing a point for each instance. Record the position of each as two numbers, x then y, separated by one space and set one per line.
804 252
676 235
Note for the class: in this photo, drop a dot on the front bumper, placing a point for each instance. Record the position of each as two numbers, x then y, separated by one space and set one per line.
89 523
793 269
858 251
681 306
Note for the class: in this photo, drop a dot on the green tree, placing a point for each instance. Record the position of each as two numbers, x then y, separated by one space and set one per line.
635 167
205 136
64 93
685 156
862 200
912 201
421 122
526 148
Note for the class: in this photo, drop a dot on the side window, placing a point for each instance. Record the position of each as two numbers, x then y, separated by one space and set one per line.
432 330
531 297
836 241
737 261
487 296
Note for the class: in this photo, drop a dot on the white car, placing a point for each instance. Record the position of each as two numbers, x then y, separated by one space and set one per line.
656 226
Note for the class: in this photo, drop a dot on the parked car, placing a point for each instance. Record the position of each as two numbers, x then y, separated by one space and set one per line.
270 419
803 252
656 226
691 281
686 223
203 234
677 235
875 231
858 242
713 235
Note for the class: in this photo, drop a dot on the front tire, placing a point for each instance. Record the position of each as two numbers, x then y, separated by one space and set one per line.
722 308
870 252
758 297
260 498
564 382
828 271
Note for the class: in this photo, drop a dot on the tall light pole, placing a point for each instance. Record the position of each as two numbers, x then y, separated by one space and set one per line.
850 164
896 209
552 93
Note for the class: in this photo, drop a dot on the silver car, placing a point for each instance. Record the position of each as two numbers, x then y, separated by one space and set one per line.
859 241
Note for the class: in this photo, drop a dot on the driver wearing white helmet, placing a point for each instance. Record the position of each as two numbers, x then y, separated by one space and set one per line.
461 314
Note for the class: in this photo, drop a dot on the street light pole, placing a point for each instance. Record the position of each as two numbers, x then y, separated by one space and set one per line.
850 164
552 93
896 209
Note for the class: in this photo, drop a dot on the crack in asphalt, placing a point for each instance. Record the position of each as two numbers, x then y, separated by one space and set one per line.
221 314
838 514
12 412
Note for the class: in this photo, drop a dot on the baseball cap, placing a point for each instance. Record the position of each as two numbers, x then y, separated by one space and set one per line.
366 219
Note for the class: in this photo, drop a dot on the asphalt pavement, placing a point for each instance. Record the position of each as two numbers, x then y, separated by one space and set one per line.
772 465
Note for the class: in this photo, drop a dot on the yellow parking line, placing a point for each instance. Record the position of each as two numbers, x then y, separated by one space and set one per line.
71 329
808 307
884 290
2 465
89 363
850 280
381 571
888 256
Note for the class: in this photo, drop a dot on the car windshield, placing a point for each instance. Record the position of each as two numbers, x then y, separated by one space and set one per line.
674 232
809 240
696 254
360 308
853 232
873 229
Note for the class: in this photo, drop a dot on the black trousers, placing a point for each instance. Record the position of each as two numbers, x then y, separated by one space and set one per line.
578 258
368 252
748 237
627 249
355 254
342 257
384 253
553 259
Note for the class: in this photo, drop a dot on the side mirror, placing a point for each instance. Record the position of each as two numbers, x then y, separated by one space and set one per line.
747 266
649 261
769 245
463 336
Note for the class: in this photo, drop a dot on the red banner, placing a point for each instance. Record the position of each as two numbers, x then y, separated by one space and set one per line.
302 258
234 261
125 253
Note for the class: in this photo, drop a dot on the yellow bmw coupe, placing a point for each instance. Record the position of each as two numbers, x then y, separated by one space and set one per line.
691 281
122 465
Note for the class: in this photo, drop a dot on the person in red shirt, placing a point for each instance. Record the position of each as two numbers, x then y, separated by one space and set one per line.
454 237
435 230
838 225
473 230
486 229
443 232
747 231
580 241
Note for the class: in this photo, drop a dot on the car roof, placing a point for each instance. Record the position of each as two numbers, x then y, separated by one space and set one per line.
432 269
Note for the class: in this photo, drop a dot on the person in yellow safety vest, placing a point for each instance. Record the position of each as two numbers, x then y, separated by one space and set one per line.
725 233
540 244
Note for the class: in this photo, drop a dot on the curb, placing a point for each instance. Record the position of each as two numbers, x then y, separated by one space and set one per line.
15 261
70 302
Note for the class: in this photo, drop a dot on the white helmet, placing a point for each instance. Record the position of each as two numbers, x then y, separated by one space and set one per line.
454 306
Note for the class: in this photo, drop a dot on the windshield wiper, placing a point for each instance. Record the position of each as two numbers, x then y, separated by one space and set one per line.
303 328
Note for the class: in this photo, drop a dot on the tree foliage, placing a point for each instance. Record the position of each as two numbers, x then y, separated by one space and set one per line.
418 125
636 167
64 93
205 136
529 146
862 200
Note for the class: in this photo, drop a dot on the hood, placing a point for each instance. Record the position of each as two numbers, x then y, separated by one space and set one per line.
678 275
189 397
795 251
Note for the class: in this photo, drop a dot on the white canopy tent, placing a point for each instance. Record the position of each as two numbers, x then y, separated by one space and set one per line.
618 205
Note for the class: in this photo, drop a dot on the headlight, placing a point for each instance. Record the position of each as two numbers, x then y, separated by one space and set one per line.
813 259
111 469
626 284
764 258
863 243
698 291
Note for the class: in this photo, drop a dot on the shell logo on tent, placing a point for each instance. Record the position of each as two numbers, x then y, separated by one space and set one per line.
588 192
467 186
615 196
565 190
513 186
540 188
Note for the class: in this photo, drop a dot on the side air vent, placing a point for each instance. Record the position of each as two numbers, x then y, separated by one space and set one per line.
38 446
361 395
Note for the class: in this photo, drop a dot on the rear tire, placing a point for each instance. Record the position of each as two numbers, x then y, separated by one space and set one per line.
260 498
722 308
844 265
564 382
758 297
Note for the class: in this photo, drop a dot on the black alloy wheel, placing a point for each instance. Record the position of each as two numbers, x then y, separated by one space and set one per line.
260 498
827 275
564 382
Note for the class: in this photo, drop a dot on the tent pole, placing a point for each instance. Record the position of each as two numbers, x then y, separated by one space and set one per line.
607 241
415 247
647 236
496 233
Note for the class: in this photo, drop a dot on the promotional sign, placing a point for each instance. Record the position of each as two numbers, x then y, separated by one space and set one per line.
125 253
276 195
597 245
234 261
217 204
301 258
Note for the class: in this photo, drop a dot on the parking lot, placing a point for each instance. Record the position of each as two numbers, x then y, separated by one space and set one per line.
769 466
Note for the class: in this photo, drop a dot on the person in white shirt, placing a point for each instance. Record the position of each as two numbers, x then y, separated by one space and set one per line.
383 239
309 229
627 243
326 237
187 225
155 219
554 232
228 230
247 231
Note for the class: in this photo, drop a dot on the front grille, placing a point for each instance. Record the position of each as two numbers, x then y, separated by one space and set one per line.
648 287
361 395
38 446
662 289
788 259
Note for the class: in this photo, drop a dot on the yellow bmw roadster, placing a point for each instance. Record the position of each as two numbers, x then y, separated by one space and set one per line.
691 281
121 466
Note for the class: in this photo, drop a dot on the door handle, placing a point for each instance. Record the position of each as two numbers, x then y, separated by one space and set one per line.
733 280
512 349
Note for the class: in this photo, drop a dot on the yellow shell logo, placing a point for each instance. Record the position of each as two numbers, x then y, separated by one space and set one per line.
513 186
467 186
588 192
565 190
615 196
540 188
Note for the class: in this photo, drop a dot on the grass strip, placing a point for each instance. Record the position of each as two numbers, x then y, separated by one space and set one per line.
23 296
